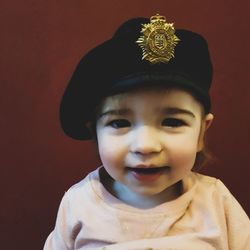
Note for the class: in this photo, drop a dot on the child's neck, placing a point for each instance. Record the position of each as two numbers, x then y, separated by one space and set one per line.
134 199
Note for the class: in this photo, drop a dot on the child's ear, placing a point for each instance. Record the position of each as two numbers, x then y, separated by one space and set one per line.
205 124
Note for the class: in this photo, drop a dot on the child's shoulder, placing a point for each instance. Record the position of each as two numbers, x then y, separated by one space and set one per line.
83 185
211 184
79 194
206 179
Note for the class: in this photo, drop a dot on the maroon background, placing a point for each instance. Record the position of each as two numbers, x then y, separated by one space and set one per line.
42 41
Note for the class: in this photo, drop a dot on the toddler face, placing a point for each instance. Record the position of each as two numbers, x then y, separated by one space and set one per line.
148 139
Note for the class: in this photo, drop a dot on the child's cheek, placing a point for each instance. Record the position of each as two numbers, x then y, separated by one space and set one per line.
109 153
182 155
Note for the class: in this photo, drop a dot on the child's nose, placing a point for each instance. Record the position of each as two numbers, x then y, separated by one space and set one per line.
146 140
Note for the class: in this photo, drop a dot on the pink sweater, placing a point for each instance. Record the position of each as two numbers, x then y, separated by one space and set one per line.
206 216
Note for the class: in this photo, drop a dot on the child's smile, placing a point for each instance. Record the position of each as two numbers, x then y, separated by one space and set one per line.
147 174
148 140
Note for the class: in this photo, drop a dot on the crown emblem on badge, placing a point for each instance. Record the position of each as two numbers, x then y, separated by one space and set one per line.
158 40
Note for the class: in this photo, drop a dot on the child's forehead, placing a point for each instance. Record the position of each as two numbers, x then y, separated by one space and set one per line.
149 95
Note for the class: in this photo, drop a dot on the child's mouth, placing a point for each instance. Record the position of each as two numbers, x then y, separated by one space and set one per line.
147 174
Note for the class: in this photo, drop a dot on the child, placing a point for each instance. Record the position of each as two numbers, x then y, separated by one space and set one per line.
143 96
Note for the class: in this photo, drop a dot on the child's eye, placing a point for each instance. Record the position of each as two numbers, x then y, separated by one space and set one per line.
173 122
119 123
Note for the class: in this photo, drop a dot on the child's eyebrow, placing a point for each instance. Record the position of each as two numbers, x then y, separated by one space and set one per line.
114 112
167 111
175 111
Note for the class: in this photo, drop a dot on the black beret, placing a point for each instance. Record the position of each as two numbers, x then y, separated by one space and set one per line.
116 66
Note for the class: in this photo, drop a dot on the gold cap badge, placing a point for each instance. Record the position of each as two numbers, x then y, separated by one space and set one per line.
157 40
